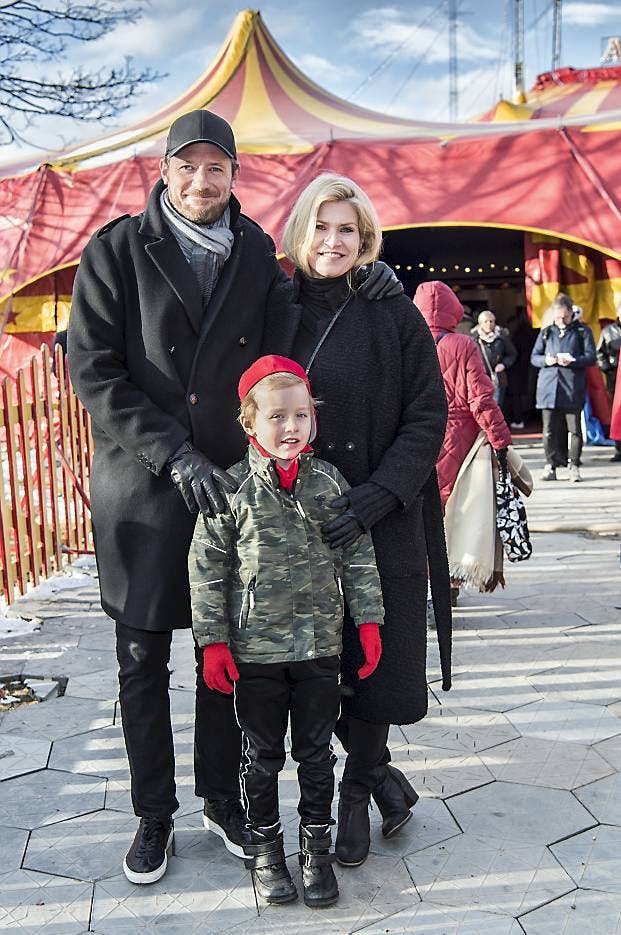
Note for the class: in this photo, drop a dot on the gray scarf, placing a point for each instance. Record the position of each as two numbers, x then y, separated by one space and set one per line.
206 247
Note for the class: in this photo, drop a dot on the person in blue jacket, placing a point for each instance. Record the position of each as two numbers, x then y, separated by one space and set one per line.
562 352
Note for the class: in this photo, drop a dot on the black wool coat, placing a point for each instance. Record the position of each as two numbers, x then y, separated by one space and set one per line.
382 418
154 368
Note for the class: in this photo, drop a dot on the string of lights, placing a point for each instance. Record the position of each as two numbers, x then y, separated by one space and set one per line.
494 268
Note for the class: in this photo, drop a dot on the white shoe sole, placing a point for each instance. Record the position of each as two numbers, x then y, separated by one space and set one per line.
231 847
154 875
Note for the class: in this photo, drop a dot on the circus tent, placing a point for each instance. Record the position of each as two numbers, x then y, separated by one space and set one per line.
552 176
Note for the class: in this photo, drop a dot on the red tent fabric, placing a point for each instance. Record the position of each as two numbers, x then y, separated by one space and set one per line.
535 176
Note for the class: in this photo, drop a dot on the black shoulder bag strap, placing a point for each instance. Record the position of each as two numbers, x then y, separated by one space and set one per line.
329 328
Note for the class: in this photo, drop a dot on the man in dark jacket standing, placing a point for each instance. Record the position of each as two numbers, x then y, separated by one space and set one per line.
169 309
608 348
562 352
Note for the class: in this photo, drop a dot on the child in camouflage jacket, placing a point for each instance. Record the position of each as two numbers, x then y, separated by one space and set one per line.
267 606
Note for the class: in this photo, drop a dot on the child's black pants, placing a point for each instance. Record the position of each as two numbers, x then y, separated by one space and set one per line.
265 695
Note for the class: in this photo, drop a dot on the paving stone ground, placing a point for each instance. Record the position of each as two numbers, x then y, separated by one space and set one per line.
518 828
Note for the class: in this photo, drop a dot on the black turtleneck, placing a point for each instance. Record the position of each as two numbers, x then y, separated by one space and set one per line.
320 299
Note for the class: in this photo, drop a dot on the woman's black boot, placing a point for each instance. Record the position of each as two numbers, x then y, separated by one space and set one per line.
353 837
266 861
320 886
394 797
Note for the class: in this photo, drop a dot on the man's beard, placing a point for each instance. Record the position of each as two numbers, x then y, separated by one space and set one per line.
205 215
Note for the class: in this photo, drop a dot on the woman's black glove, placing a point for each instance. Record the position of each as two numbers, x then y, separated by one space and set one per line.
364 506
377 281
195 477
343 531
501 457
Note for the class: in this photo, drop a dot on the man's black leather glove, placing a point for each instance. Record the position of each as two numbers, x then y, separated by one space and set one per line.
196 478
377 281
343 531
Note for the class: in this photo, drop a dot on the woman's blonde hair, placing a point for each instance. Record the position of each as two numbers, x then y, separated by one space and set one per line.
273 381
299 230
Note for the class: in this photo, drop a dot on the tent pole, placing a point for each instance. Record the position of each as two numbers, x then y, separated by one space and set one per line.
453 90
518 50
556 34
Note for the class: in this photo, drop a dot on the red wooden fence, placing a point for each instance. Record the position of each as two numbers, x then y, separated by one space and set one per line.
45 457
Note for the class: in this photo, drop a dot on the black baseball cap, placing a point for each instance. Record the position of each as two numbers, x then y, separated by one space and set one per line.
200 126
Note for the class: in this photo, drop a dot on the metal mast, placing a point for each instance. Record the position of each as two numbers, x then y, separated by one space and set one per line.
518 49
453 92
556 34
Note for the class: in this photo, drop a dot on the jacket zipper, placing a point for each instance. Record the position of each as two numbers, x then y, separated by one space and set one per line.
248 593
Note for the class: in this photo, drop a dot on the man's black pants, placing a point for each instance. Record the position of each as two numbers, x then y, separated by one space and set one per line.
556 424
265 696
143 658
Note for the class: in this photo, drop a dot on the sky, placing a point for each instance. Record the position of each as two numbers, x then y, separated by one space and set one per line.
391 58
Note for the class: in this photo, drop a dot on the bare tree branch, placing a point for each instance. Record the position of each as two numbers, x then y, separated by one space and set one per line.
43 31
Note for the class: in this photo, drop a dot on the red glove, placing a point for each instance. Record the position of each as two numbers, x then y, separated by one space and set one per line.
217 664
371 643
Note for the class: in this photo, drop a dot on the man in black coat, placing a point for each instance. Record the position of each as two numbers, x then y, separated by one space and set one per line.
169 308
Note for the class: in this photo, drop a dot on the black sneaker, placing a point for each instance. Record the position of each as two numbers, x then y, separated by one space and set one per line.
226 818
147 859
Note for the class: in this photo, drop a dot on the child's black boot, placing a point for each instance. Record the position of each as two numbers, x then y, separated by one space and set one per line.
394 797
265 858
320 886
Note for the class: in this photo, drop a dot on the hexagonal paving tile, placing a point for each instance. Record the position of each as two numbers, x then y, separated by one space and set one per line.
611 751
13 846
48 796
465 730
441 920
103 685
575 914
32 902
98 752
476 872
593 858
19 755
86 848
437 772
431 822
511 812
491 691
590 673
603 799
58 717
545 763
74 662
184 901
563 720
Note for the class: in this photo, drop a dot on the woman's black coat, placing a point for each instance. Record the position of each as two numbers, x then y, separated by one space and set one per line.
382 418
154 368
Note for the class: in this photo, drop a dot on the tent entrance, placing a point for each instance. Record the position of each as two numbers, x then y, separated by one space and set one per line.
484 266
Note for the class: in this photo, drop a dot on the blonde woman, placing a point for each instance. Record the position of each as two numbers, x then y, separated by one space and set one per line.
382 421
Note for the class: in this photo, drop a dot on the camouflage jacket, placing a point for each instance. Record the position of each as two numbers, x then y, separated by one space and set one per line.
262 580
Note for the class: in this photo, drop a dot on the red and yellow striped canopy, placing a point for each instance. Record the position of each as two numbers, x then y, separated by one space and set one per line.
567 94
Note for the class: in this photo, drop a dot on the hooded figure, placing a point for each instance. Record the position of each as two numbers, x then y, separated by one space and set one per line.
469 390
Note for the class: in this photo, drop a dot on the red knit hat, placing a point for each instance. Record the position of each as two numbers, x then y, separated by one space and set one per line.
265 367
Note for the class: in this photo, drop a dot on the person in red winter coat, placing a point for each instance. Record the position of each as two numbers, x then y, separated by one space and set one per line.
469 390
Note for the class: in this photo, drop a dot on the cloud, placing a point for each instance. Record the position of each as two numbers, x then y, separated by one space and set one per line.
383 29
148 38
325 73
590 14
